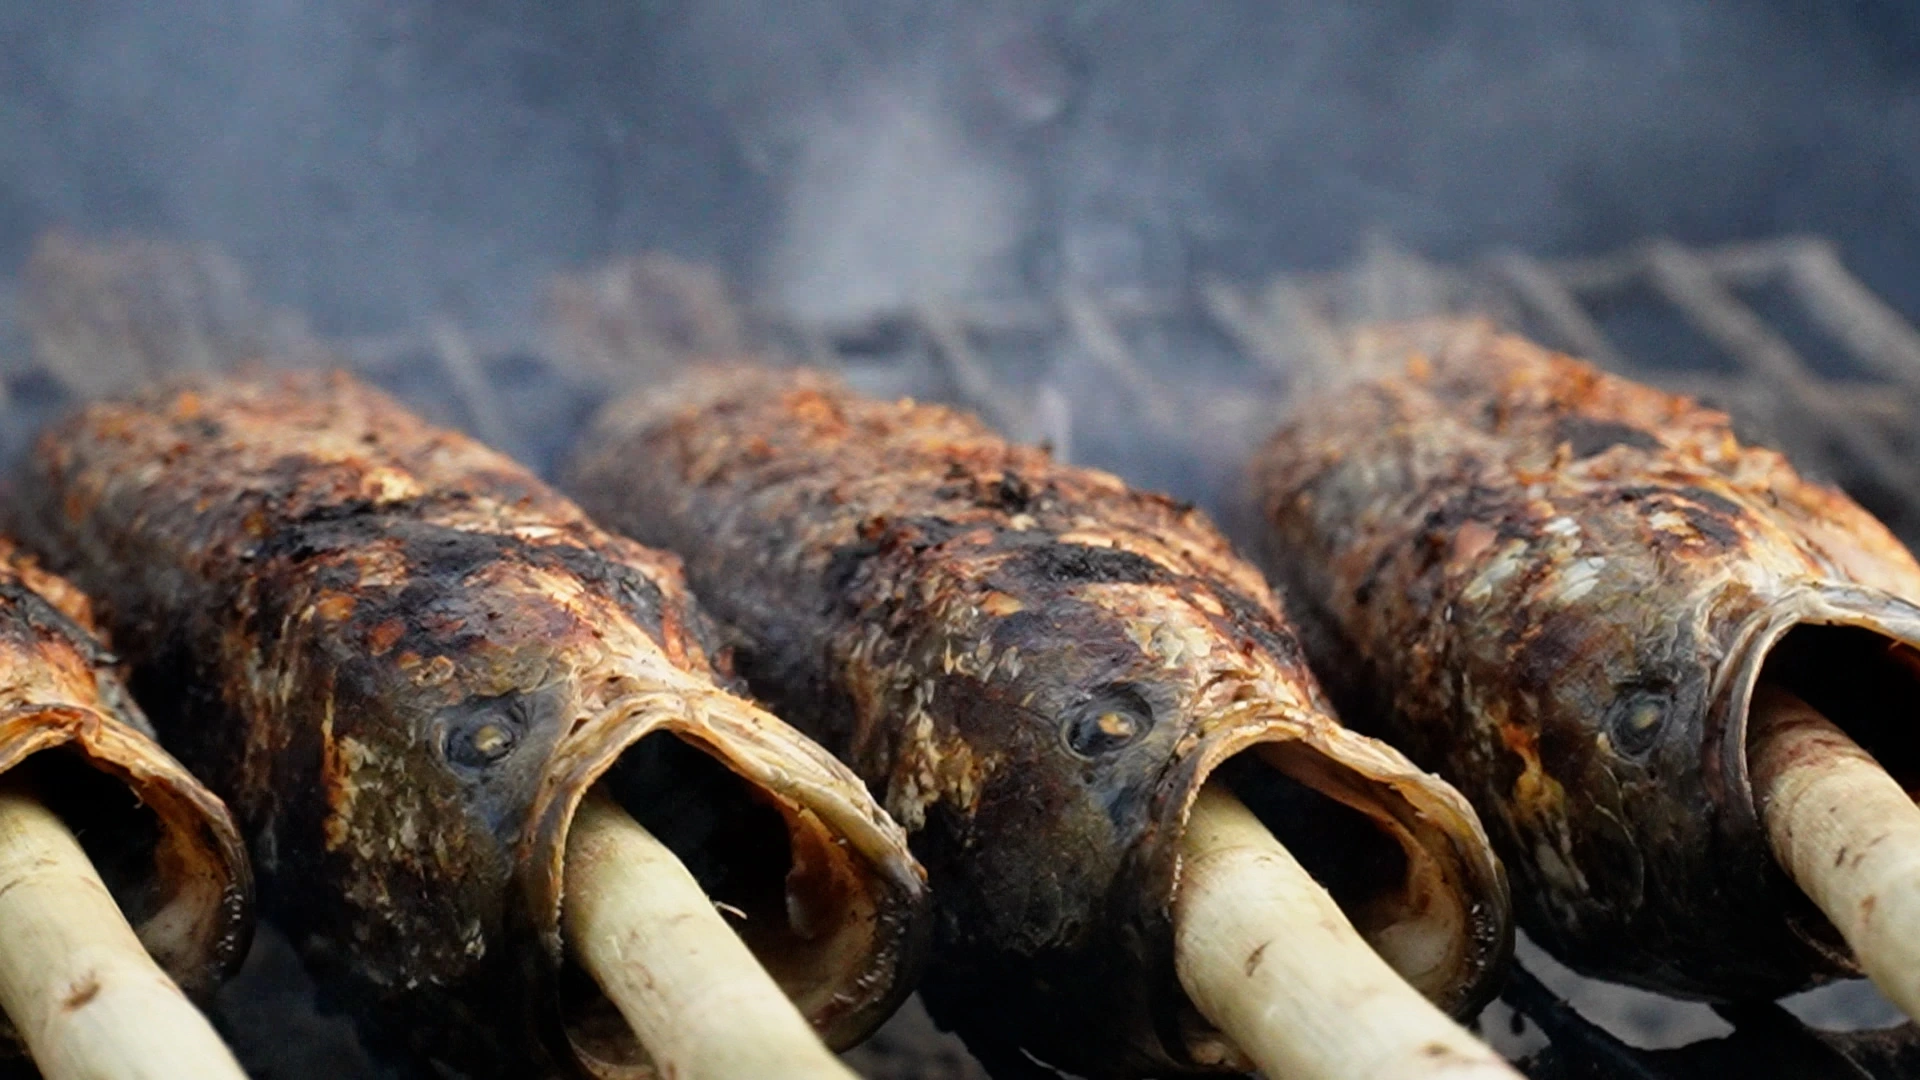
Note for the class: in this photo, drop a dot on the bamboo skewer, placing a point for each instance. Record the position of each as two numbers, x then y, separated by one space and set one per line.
1268 957
77 983
696 998
1846 833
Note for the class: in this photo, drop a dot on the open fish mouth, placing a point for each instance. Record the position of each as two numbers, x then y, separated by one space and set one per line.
1854 653
167 848
1415 871
822 888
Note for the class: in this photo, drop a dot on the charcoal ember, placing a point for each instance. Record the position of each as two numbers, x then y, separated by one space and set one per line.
1558 589
403 660
166 846
1037 666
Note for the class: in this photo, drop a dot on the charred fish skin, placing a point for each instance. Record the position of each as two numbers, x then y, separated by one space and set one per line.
404 659
1034 664
1556 588
181 876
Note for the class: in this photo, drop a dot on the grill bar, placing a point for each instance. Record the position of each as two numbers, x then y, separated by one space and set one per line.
1774 364
462 367
1094 331
1537 286
1850 312
1849 429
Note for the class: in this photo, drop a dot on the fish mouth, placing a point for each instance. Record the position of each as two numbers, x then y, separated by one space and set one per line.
1851 652
166 848
816 880
1402 852
1843 648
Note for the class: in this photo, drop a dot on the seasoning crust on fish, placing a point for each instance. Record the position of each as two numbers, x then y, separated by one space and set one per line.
1558 588
1037 667
403 660
166 847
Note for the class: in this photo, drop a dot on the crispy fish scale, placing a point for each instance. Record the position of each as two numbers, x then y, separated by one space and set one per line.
166 847
1557 588
404 660
1038 667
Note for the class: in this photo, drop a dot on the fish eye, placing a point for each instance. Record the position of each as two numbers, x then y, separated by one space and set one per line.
1637 717
480 733
1111 718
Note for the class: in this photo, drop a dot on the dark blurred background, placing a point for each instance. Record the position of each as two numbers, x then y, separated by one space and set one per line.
374 161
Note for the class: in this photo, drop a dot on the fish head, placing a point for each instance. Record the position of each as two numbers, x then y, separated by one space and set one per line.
429 695
482 682
1023 737
1603 639
1043 715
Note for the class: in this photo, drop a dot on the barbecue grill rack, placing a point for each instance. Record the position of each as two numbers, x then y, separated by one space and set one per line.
1170 388
1779 334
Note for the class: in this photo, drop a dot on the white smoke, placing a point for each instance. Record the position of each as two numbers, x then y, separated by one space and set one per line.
889 204
378 163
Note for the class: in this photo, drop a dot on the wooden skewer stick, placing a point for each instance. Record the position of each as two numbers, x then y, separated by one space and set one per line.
688 986
1845 832
1268 957
83 992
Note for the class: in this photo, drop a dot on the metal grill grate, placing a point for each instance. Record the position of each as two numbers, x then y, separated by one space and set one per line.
1780 334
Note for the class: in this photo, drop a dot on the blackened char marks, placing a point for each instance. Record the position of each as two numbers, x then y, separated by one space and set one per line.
1710 527
1717 503
33 613
1077 564
1010 493
348 509
1586 436
636 593
1712 516
445 555
844 566
1550 647
329 527
1025 629
965 486
880 534
915 533
1480 504
1257 621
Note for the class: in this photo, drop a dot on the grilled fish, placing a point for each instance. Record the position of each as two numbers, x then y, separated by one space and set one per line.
404 660
1558 589
1037 667
166 847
